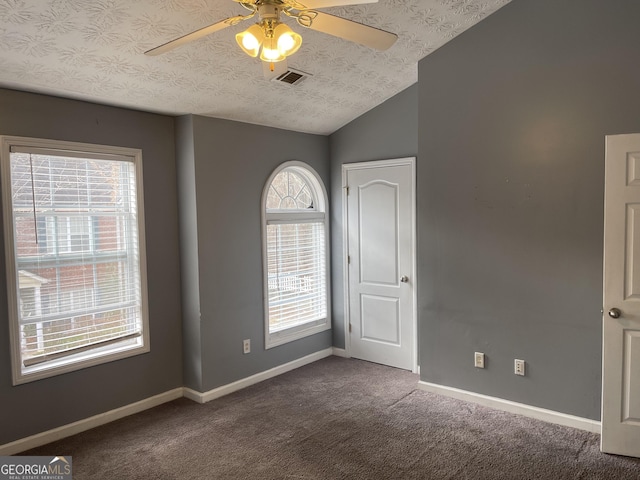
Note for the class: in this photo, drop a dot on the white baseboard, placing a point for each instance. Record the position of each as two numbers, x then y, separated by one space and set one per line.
341 352
253 379
87 423
514 407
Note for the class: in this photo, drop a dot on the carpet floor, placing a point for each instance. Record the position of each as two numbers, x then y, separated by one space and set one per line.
336 419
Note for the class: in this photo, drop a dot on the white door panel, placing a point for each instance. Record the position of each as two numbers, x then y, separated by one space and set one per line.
380 319
621 320
379 258
379 207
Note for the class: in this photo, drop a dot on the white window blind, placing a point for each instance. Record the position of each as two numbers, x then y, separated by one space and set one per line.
76 256
296 266
295 233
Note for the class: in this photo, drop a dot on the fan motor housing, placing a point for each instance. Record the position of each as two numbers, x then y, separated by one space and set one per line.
269 11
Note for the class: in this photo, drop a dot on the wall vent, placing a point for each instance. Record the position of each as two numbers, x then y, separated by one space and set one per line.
291 77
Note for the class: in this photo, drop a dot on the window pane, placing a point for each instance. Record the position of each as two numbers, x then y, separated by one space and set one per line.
76 253
289 191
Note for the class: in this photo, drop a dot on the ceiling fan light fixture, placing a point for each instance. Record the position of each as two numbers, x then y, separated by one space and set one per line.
274 41
251 40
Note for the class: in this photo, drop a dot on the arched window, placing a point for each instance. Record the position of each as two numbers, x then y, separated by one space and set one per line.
295 242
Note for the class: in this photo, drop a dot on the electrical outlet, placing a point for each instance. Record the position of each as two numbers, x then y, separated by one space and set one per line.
519 367
246 346
478 360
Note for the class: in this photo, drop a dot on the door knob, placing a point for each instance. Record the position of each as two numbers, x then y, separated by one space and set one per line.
404 279
615 313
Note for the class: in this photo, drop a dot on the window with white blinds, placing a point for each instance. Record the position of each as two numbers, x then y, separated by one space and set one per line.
74 238
295 232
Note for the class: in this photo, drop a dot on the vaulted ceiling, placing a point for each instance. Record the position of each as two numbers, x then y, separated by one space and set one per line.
94 50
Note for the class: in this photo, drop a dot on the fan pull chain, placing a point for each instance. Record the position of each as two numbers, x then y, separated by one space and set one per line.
272 67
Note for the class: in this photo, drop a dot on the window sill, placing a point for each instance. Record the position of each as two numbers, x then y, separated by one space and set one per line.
127 348
282 337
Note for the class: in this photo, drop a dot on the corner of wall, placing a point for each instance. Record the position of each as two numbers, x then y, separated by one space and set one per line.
187 208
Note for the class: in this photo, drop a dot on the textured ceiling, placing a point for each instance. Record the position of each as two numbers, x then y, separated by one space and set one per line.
93 50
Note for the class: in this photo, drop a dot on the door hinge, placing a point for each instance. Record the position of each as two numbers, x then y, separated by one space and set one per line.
349 259
346 187
349 328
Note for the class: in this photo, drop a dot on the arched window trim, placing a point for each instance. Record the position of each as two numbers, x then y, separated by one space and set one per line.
320 214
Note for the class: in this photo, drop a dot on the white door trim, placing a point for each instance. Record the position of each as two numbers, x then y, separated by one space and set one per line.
411 161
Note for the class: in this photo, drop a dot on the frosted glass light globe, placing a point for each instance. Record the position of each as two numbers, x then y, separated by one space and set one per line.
250 42
285 42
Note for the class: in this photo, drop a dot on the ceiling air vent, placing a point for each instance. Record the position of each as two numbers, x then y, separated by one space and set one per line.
291 77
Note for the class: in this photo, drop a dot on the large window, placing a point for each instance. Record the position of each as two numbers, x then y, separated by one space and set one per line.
74 240
295 232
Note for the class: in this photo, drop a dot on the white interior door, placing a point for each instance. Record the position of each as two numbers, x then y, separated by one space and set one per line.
380 206
621 320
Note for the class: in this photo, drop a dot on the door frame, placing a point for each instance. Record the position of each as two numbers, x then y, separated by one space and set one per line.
346 168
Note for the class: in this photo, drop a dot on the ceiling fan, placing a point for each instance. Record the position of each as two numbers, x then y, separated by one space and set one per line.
274 41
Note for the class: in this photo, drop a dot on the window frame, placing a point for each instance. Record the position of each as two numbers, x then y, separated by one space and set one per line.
99 354
320 212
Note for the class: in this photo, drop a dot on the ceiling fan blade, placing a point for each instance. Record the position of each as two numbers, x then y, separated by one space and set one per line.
330 3
202 32
349 30
278 69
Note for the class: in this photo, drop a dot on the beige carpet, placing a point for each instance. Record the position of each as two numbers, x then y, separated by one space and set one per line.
336 419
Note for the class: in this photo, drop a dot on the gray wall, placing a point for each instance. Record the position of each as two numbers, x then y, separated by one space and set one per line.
231 163
385 132
513 115
38 406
